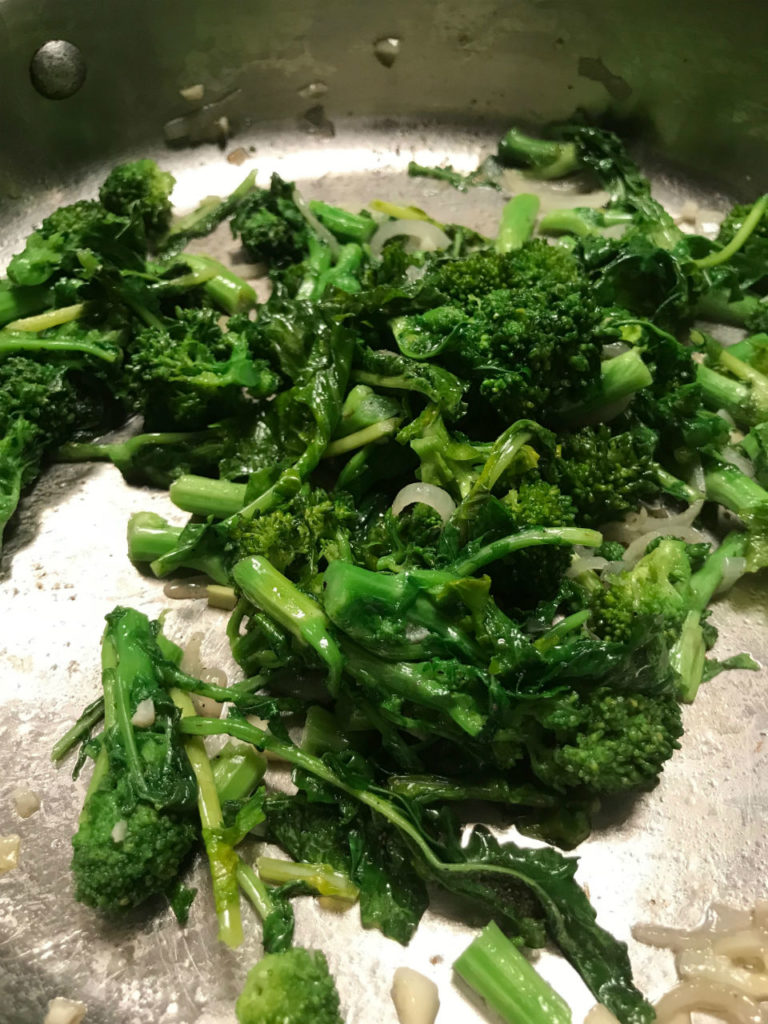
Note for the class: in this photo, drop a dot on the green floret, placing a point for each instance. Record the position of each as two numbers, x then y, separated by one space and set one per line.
270 224
521 327
530 576
465 280
605 740
312 529
606 475
654 589
41 405
191 372
293 987
64 239
111 875
142 778
140 191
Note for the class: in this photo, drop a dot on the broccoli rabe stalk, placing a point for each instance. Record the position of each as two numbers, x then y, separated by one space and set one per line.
741 389
477 556
203 496
104 347
506 981
324 879
755 447
88 720
268 589
543 158
221 857
620 378
751 221
518 220
150 536
688 654
136 829
272 907
486 174
367 435
50 318
291 987
716 306
582 221
237 770
204 218
226 290
349 227
146 458
730 487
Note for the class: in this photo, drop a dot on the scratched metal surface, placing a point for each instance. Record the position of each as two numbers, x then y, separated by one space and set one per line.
663 857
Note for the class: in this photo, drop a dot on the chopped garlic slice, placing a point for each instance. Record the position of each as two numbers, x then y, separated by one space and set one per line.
64 1011
26 802
415 997
9 853
144 715
120 831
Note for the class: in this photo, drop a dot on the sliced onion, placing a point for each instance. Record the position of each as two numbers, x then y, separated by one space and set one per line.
640 523
320 230
615 348
429 235
741 462
746 945
718 969
580 565
692 996
725 415
425 494
734 568
600 1014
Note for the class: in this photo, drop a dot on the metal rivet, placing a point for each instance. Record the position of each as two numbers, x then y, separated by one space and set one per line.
57 69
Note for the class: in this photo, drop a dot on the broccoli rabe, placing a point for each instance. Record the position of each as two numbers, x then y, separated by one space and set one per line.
293 987
140 191
190 372
270 224
603 739
138 823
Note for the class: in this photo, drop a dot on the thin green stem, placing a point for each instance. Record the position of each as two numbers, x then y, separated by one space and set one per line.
563 536
567 625
360 438
751 221
91 717
282 600
51 318
222 858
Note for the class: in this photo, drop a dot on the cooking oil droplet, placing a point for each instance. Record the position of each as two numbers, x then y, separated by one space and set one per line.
386 50
313 90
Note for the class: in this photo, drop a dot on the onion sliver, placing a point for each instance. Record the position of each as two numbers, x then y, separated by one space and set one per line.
424 494
429 236
691 996
733 569
320 230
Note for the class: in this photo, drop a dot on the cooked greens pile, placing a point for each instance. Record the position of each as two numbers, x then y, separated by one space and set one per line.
451 486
